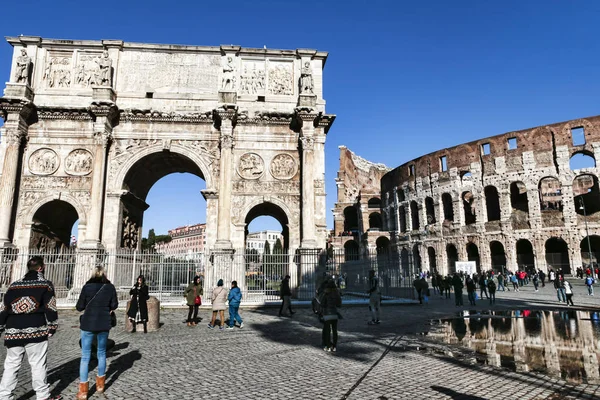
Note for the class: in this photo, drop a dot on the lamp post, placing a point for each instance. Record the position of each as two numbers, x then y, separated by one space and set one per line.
587 234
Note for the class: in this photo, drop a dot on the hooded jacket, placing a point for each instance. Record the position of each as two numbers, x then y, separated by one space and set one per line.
235 297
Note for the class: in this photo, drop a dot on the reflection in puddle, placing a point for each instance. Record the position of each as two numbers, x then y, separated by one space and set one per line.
557 343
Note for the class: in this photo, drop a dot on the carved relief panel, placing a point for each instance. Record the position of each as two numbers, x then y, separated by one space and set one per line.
93 69
43 162
251 166
252 78
57 71
281 78
78 162
283 166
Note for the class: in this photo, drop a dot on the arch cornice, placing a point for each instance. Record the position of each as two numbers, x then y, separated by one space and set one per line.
201 161
67 198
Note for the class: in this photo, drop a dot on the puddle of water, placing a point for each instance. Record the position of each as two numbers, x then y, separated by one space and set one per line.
562 344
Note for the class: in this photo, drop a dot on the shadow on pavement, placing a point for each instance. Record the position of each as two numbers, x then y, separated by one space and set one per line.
120 365
456 395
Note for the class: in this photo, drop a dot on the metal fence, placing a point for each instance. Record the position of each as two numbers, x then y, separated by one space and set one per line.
168 274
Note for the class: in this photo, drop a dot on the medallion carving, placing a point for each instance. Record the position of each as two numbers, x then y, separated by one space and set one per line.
281 78
43 162
78 162
251 166
283 166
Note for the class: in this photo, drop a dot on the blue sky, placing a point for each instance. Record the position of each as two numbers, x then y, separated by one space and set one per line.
404 78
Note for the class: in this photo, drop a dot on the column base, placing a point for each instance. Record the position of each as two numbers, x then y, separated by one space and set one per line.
6 244
90 245
223 245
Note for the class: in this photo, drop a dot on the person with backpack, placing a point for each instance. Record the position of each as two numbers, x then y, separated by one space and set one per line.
234 298
589 282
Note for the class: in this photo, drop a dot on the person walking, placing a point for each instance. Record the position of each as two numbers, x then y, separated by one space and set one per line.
515 282
374 298
471 288
193 297
568 289
458 287
28 317
559 285
138 307
98 300
331 301
483 281
418 285
491 285
234 298
589 282
219 297
286 296
542 276
536 281
501 282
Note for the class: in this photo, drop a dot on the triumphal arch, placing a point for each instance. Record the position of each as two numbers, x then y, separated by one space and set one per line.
90 126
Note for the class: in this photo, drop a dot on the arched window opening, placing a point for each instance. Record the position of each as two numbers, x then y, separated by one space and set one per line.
382 246
401 195
405 262
498 256
402 217
350 219
432 260
582 160
550 194
525 257
465 176
52 226
557 255
417 258
414 215
375 221
473 255
374 202
492 203
590 258
586 195
448 207
351 251
452 257
270 222
430 210
469 208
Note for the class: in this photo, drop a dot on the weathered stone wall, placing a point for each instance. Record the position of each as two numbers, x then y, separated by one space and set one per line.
498 202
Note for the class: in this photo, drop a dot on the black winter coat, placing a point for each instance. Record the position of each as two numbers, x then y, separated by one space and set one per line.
285 288
96 310
139 298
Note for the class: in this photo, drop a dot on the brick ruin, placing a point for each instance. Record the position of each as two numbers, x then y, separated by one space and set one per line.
516 200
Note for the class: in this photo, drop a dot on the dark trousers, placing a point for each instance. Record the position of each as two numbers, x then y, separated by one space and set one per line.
493 298
193 309
570 299
286 303
483 290
458 300
471 296
329 326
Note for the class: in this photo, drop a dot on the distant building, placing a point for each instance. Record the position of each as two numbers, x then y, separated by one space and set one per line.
256 240
190 238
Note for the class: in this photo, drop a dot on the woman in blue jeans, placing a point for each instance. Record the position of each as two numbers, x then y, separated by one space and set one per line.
98 300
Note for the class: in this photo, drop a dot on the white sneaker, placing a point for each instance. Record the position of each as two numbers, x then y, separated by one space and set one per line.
241 325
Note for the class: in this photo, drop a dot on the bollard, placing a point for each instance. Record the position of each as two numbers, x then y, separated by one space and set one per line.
153 317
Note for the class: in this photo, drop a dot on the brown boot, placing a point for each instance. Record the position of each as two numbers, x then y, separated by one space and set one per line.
100 380
83 391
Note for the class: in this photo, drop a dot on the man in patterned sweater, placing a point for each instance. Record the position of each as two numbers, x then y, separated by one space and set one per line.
28 316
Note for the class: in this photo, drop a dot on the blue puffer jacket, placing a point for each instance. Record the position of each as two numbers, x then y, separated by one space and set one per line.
235 297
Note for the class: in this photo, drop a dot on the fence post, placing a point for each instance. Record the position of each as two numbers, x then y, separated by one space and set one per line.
160 278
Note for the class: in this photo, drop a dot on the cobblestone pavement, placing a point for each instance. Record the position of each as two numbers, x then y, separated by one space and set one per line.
281 358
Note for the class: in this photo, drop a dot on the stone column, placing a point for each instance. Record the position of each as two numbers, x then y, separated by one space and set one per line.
14 134
307 130
105 118
226 118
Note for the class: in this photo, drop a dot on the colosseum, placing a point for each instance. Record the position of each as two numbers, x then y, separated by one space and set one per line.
521 199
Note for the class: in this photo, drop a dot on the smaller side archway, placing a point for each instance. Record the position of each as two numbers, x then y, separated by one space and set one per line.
432 260
405 262
430 210
492 203
351 251
525 256
382 245
417 258
519 206
590 258
452 257
557 255
52 224
350 219
468 201
448 207
498 256
586 194
414 215
375 221
473 255
550 191
374 202
271 210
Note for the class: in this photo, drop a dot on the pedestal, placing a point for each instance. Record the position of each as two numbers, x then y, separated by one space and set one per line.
103 94
227 97
20 91
307 100
153 317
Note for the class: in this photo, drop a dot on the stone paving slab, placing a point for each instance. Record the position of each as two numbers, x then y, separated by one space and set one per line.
281 358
